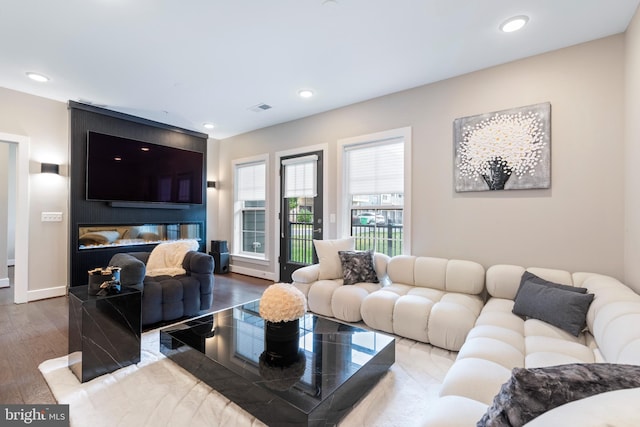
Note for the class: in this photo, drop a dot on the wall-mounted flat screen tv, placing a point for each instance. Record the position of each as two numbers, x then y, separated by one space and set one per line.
126 170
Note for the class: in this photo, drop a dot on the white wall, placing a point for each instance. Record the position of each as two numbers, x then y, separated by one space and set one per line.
632 155
577 224
11 204
213 148
4 213
46 122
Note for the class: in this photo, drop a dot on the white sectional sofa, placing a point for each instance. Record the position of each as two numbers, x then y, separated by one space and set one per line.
328 297
433 300
442 302
501 341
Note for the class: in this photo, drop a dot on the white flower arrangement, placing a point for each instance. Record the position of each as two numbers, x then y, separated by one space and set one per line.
282 302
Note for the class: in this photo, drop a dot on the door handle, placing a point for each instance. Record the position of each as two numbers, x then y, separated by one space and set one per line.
318 230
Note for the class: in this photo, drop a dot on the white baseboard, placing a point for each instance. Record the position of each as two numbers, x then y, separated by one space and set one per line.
38 294
4 283
253 272
11 262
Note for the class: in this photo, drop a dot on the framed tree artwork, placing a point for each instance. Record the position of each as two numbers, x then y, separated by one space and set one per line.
503 150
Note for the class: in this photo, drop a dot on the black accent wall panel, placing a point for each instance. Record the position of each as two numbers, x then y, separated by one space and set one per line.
86 213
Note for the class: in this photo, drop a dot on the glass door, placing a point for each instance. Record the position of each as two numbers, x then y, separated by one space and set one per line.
300 211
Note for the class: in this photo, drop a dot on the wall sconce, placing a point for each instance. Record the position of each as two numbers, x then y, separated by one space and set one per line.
50 168
211 184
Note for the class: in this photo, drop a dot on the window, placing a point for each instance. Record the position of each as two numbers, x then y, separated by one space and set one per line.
250 208
376 185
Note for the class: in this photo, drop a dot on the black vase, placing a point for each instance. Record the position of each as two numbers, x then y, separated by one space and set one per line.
281 342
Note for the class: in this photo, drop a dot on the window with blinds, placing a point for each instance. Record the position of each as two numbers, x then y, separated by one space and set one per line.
375 168
374 176
250 213
251 181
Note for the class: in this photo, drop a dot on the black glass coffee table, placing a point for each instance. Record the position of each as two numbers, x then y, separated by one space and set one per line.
335 366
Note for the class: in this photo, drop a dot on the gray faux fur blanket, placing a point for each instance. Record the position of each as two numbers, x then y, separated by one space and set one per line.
532 392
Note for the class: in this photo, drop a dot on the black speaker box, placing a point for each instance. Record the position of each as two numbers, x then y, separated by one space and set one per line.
219 246
221 262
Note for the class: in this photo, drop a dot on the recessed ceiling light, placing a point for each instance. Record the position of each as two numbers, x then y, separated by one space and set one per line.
117 159
305 93
38 77
514 24
208 125
145 148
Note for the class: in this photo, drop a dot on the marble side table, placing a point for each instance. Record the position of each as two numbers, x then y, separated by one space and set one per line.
104 331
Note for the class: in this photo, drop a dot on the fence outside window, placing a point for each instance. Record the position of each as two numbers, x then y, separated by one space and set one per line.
379 230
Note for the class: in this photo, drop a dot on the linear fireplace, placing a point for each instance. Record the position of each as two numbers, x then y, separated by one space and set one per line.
109 236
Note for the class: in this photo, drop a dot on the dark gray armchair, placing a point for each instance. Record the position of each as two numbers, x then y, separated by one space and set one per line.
166 298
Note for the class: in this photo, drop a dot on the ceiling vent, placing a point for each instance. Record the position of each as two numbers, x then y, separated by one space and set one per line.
260 107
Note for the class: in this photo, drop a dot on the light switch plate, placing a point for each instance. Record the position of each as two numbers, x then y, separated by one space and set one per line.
51 217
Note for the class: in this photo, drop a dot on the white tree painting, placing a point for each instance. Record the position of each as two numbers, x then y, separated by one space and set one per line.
504 150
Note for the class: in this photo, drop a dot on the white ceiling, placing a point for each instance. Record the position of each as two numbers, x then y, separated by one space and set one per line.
194 61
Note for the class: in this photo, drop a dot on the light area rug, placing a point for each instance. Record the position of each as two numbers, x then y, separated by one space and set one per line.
156 392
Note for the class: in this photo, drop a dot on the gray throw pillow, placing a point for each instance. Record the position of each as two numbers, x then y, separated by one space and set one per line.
531 392
562 308
358 267
530 277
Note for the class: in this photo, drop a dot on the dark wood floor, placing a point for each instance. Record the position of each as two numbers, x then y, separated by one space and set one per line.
37 331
